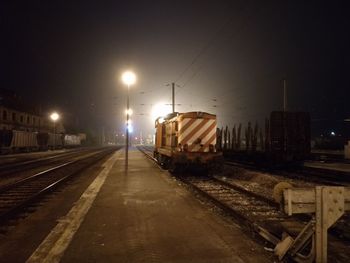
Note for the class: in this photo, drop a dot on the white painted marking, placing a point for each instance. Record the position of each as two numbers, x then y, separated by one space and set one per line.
189 129
200 132
53 247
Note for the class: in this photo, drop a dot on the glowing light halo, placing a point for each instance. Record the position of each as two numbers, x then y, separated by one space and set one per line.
129 112
54 116
160 110
129 78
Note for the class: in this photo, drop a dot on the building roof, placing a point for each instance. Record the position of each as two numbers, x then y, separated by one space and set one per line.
10 99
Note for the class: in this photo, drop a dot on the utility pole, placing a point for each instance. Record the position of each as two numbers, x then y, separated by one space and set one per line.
285 114
127 132
173 95
284 94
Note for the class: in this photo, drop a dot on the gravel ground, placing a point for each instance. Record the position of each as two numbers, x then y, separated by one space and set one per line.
263 183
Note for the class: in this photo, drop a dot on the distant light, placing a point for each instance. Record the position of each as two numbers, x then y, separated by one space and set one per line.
135 138
160 110
332 133
54 116
129 78
128 122
130 129
123 135
129 112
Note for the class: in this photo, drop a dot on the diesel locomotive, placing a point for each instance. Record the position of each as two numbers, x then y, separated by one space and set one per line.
187 140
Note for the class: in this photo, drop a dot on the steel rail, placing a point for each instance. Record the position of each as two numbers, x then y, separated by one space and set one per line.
18 195
227 197
309 174
13 167
312 174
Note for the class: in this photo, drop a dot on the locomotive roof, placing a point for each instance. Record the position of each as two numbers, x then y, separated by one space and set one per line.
197 114
191 114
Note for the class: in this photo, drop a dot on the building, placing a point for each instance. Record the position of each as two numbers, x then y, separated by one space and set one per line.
15 114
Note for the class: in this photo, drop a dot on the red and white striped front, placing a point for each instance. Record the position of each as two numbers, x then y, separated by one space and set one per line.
197 133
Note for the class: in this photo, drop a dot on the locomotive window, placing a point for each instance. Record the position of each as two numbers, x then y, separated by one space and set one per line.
176 126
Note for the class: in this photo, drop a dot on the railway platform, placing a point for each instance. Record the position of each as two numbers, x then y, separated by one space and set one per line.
144 215
333 166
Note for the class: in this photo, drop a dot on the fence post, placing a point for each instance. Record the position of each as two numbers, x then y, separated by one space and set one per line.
239 136
233 138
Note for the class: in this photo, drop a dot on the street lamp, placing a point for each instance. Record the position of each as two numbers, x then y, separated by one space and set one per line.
129 78
54 117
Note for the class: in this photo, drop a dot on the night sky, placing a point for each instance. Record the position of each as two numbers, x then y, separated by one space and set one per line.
226 57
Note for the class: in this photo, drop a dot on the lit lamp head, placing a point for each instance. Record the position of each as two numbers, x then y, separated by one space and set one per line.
129 78
129 112
54 116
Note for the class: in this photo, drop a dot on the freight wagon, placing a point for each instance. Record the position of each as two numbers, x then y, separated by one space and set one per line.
284 141
290 140
15 141
71 140
11 141
187 140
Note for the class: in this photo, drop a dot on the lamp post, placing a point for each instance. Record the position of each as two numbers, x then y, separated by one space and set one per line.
129 78
54 117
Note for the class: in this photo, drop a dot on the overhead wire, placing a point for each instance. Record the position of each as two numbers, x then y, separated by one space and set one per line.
204 49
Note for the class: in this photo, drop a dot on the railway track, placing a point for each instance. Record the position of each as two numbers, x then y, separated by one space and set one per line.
18 195
308 174
256 212
315 175
15 166
21 170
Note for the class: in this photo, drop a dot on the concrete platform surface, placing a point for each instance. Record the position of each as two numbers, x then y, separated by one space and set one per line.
336 166
143 215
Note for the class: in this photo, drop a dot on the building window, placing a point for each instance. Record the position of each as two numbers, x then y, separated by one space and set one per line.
4 115
21 118
14 116
28 119
34 120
